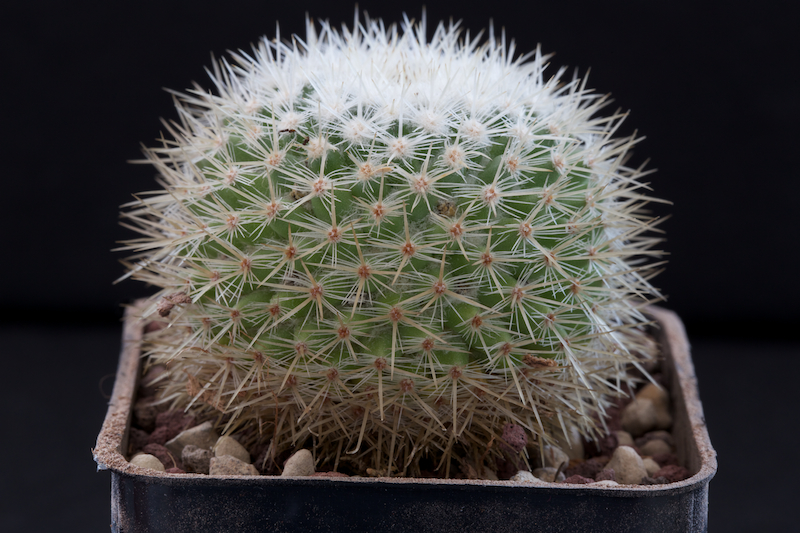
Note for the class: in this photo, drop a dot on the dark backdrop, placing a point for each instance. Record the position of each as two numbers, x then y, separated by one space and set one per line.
713 88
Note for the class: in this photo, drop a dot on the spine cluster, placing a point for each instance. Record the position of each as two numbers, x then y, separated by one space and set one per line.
391 247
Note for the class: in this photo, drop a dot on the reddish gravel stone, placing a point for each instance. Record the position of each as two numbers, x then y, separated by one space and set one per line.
163 455
137 439
169 424
506 469
606 474
578 480
514 437
666 459
673 473
589 468
608 444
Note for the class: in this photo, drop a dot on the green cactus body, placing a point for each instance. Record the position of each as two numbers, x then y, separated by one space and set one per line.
391 248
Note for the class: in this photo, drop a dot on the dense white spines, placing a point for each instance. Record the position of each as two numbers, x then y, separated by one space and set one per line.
392 247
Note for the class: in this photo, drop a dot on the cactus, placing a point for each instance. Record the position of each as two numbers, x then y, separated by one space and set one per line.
388 248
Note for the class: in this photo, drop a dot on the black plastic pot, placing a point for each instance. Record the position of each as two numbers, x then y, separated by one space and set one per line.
144 502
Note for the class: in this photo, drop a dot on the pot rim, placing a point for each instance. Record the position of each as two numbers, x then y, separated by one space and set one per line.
669 331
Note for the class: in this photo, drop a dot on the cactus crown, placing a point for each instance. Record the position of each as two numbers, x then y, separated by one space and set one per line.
391 247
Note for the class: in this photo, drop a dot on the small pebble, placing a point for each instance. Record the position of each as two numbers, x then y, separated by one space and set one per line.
653 435
144 414
228 465
573 446
202 436
523 476
627 466
658 395
578 480
162 454
605 483
196 459
650 466
490 474
606 445
301 463
137 439
660 398
624 439
329 474
606 474
554 456
230 446
639 417
548 473
514 438
588 468
169 424
145 460
655 447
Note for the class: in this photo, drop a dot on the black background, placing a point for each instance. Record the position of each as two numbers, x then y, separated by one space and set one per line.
712 86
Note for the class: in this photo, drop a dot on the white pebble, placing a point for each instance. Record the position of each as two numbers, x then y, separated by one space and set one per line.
202 436
554 456
605 483
227 465
548 473
145 460
639 416
523 476
624 439
299 464
627 465
650 466
230 446
654 447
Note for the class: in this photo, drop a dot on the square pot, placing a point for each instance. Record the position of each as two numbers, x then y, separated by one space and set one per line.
148 501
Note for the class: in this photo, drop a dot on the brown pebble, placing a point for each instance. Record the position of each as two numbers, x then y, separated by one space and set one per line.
659 434
607 474
673 473
655 447
578 480
196 459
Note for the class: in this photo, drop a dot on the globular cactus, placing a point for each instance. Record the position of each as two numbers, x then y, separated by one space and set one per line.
387 248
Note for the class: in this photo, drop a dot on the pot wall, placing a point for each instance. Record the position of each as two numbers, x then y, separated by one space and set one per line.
141 501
